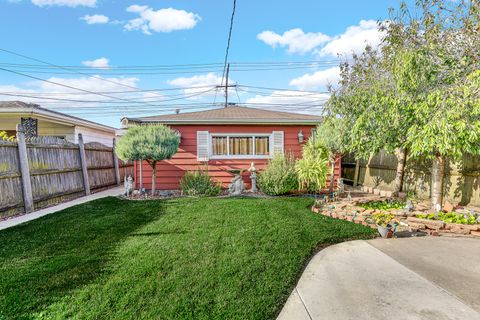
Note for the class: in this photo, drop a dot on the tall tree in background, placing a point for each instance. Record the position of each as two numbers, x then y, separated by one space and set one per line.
420 92
152 143
332 134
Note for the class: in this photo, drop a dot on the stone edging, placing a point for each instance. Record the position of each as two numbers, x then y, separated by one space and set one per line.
346 211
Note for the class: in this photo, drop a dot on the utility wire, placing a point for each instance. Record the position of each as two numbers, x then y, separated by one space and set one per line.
228 41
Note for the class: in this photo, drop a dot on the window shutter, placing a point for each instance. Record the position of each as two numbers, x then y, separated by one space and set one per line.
277 137
202 145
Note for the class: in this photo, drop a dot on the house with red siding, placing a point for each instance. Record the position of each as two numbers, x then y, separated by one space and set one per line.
226 140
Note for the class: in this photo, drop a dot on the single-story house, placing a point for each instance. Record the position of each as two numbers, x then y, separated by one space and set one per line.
225 139
44 122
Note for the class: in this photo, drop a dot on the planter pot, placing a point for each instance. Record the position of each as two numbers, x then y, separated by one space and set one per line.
384 231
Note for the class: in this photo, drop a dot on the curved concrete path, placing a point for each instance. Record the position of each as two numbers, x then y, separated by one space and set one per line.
416 278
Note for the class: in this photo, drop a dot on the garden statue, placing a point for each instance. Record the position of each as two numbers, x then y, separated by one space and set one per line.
349 197
340 186
253 177
128 184
409 206
236 186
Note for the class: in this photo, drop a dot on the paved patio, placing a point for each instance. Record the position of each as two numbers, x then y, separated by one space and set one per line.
43 212
415 278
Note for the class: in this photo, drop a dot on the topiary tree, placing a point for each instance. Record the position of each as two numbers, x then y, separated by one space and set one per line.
152 143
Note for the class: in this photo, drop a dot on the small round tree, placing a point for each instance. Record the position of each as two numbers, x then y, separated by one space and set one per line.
152 143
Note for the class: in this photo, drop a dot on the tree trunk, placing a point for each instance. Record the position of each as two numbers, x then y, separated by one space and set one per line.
401 159
154 176
438 171
332 175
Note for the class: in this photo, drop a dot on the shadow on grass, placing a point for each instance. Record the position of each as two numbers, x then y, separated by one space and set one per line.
45 259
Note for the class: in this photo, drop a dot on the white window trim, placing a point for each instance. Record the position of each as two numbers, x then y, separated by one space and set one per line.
247 156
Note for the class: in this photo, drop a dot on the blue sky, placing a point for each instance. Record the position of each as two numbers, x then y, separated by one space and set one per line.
98 38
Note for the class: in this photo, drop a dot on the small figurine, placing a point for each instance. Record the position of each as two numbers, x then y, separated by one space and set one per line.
253 177
128 184
349 197
236 186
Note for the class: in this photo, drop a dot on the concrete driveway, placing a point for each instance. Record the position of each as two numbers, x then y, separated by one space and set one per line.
416 278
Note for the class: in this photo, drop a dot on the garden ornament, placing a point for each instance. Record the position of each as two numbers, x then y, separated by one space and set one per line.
236 186
330 209
409 206
253 177
349 196
128 184
340 186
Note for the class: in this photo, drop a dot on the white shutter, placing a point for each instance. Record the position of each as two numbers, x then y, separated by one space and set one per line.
202 145
277 137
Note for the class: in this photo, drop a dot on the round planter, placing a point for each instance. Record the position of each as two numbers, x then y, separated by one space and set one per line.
384 231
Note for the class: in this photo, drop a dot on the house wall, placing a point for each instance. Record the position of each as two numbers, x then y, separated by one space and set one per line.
169 172
69 132
94 135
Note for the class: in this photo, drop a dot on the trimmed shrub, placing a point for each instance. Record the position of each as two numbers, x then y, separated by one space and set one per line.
199 184
279 177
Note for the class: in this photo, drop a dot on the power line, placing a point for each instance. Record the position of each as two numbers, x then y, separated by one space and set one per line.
228 41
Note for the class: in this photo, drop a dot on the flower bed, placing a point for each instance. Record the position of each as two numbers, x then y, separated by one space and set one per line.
365 209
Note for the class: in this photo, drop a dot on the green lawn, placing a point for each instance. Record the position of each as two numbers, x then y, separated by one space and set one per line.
187 258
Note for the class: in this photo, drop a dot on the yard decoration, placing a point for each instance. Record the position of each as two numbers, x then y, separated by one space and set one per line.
383 222
253 177
128 184
150 142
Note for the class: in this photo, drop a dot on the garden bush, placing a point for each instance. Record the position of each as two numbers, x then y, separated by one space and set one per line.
279 177
200 184
313 168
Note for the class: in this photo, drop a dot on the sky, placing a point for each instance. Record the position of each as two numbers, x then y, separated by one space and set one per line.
105 59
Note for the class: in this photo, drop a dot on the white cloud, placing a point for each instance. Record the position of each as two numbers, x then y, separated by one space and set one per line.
97 63
320 78
198 84
353 40
65 3
95 19
295 40
292 98
163 20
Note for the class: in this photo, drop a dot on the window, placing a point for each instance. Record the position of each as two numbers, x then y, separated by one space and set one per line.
240 145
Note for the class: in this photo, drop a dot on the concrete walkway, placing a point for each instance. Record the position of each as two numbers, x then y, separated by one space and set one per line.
417 278
43 212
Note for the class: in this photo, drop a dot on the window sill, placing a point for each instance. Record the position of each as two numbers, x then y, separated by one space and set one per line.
253 157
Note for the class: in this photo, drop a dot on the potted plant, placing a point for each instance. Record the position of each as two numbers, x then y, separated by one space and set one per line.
382 220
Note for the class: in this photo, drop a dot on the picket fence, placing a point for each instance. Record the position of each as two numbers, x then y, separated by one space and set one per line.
42 171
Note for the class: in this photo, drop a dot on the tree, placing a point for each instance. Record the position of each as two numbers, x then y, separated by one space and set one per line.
152 143
332 134
419 92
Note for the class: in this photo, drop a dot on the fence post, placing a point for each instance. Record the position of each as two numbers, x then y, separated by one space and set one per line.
115 163
83 162
24 170
357 172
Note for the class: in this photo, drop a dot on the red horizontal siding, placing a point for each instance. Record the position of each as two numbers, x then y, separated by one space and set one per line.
169 172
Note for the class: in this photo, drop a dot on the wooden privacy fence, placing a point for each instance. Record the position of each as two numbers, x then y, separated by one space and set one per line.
461 184
41 171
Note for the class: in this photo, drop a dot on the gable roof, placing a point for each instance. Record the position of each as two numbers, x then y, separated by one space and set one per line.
20 107
230 115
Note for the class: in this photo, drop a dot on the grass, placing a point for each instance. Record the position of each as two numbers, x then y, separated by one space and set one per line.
176 259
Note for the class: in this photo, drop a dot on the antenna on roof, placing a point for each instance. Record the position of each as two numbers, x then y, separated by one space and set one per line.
226 86
177 111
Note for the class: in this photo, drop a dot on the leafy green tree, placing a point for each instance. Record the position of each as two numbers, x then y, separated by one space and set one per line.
332 134
152 143
419 92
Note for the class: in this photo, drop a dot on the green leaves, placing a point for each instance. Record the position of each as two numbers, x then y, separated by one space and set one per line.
148 142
